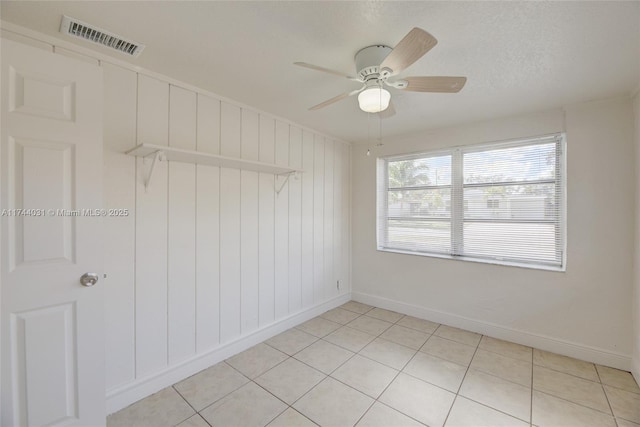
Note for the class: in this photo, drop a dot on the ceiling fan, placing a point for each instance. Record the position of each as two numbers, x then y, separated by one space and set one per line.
376 64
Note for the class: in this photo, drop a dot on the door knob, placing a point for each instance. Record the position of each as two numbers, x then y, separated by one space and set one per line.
88 279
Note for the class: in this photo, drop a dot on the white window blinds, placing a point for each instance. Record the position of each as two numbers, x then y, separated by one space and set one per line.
501 202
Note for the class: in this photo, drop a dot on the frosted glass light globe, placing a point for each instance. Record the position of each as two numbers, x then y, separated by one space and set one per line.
374 99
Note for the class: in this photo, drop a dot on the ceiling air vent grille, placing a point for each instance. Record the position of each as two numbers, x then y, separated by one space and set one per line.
76 28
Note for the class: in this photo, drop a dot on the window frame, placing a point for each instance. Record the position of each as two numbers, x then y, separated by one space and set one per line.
457 186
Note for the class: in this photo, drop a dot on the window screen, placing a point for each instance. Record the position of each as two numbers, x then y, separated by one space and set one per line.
501 202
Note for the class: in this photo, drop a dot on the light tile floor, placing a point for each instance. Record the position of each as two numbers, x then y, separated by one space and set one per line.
365 366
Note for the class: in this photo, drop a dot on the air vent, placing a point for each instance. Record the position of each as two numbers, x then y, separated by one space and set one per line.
73 27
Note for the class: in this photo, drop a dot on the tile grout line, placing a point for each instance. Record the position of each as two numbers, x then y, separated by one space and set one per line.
335 369
457 393
346 361
435 385
389 385
358 353
325 378
442 358
243 385
509 357
494 352
499 377
375 336
531 400
540 391
232 391
398 371
287 406
574 403
416 351
494 409
567 373
302 349
190 405
468 366
384 364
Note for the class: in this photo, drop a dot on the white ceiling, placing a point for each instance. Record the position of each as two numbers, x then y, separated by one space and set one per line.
518 56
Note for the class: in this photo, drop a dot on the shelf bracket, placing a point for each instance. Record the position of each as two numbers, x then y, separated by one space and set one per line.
286 177
157 156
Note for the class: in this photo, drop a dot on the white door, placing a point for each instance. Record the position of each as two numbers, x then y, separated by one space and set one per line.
52 352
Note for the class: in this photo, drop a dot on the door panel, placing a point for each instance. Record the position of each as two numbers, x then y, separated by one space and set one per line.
40 95
52 350
46 383
36 165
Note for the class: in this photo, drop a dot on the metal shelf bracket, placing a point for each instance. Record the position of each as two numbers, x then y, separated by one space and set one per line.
285 178
155 157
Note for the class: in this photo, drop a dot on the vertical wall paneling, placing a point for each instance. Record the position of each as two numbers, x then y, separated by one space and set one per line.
307 219
346 217
230 127
295 223
249 224
119 238
250 143
208 227
209 255
151 231
181 269
318 223
266 221
282 226
153 111
208 125
337 215
229 225
329 281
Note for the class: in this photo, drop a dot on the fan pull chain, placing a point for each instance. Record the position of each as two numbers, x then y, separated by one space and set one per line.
380 124
369 134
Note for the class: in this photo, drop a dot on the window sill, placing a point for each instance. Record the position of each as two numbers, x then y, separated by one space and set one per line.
477 260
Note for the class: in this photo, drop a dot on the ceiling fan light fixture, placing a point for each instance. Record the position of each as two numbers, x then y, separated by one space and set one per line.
374 99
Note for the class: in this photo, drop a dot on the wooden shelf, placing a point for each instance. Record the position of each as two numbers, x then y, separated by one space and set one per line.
159 153
196 157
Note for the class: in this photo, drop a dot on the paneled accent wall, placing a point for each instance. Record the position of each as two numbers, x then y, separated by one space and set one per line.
209 255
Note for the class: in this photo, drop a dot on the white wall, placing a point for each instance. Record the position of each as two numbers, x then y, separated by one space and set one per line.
210 260
210 255
636 287
585 311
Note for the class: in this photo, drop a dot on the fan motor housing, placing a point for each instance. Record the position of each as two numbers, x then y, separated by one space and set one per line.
368 61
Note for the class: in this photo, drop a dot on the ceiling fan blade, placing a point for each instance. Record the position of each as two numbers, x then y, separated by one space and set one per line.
324 70
435 84
411 48
336 99
390 111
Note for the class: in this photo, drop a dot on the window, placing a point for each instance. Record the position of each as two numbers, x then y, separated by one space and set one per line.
491 203
500 203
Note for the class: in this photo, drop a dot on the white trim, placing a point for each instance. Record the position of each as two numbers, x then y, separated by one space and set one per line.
121 397
467 147
56 42
458 187
542 342
476 259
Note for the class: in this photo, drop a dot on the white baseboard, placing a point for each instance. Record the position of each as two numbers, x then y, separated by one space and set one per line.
567 348
127 394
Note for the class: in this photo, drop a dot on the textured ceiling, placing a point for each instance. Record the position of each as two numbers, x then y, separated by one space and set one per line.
518 56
